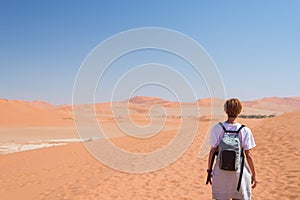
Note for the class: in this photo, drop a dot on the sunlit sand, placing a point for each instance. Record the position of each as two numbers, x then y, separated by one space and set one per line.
43 157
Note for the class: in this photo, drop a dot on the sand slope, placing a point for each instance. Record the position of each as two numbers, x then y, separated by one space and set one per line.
277 157
274 103
15 113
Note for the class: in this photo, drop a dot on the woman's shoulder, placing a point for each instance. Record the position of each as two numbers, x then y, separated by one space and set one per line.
218 126
246 132
246 128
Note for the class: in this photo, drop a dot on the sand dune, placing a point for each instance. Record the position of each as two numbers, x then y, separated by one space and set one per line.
41 104
16 113
146 100
274 103
39 113
277 157
208 102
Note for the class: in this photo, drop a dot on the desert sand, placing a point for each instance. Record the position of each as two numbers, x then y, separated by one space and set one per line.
69 171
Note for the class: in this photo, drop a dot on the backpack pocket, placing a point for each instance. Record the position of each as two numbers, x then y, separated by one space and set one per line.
228 160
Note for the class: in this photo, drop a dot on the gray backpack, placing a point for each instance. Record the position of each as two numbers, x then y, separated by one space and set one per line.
230 154
230 151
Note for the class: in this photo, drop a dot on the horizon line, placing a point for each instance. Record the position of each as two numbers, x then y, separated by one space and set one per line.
159 98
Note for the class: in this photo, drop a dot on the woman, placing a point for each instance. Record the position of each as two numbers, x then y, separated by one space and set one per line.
224 182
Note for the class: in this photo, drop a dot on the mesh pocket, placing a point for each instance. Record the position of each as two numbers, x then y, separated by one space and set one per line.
228 160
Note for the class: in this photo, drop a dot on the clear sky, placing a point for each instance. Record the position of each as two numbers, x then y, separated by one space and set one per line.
255 44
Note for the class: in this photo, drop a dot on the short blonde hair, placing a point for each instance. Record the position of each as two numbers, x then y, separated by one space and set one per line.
233 107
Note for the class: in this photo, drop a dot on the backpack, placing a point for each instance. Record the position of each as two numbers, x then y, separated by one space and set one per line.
230 150
230 154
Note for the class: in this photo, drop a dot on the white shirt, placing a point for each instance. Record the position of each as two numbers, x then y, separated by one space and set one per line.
245 135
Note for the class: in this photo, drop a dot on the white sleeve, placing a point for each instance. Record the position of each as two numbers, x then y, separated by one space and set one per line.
214 136
248 140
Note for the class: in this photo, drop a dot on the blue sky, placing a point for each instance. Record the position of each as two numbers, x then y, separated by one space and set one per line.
256 45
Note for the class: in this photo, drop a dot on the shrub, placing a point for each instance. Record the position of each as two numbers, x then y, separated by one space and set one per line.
256 116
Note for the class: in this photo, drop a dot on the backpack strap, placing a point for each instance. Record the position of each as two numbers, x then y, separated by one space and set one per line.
242 164
241 170
223 127
210 168
241 128
229 131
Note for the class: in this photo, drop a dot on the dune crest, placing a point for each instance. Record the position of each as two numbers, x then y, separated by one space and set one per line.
275 103
40 113
21 113
147 100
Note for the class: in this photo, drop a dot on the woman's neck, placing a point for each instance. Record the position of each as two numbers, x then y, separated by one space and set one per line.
231 120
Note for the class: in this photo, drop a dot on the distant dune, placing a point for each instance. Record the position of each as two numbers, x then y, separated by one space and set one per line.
37 113
209 101
147 100
41 104
40 113
275 103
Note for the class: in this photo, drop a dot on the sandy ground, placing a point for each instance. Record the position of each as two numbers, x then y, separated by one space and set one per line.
71 172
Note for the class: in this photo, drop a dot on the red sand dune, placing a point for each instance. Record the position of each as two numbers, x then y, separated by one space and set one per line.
146 100
275 103
41 104
21 113
39 113
208 102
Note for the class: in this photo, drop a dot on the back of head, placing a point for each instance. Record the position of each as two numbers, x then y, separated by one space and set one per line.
233 107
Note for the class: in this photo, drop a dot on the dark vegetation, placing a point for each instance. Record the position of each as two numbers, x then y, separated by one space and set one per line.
256 116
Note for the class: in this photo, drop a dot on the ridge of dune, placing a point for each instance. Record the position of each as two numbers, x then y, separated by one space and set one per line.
22 113
41 104
295 98
209 101
172 104
286 104
276 100
146 100
64 108
35 113
3 100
